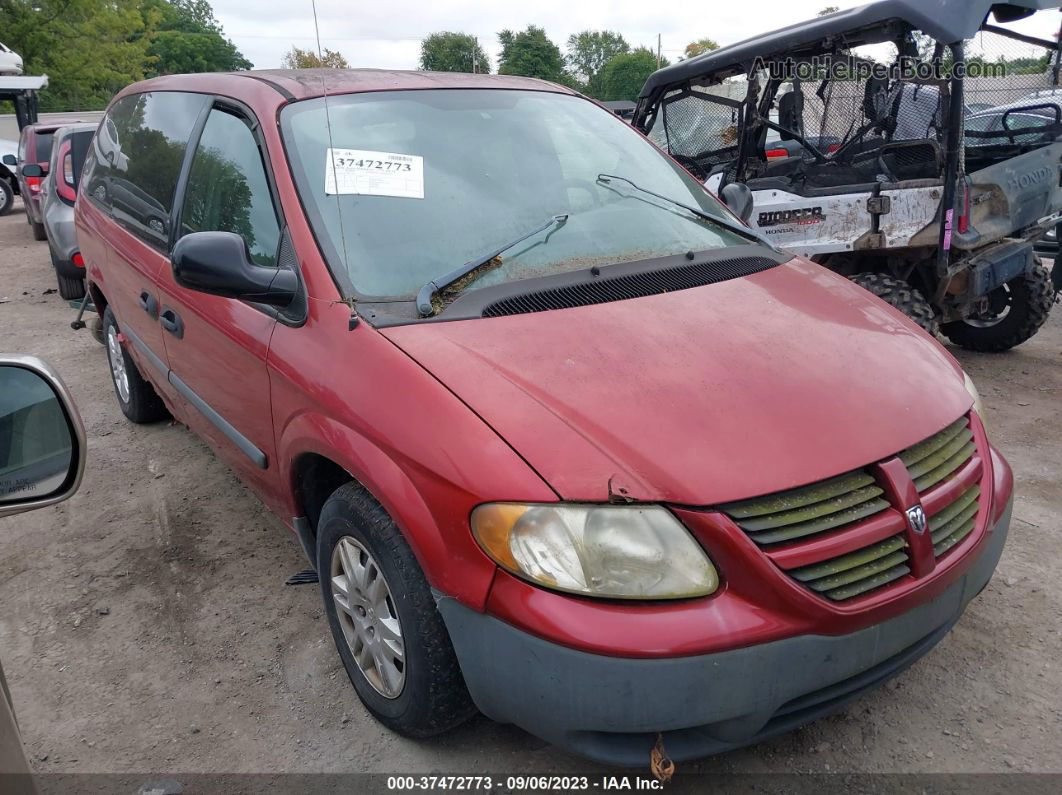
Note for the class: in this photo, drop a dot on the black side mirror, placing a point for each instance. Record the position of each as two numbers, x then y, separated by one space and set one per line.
219 263
10 160
32 170
42 440
738 197
791 114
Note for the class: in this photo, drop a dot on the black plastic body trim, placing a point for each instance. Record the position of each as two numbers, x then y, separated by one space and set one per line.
612 709
245 445
147 353
475 303
307 539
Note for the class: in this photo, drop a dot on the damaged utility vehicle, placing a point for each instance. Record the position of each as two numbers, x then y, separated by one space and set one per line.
923 201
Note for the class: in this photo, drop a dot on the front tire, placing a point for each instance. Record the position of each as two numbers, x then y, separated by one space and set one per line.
7 197
901 295
1017 311
383 618
137 398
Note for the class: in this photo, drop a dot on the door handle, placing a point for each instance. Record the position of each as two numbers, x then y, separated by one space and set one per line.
149 304
172 322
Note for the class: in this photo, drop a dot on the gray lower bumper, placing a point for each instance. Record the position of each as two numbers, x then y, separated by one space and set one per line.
611 708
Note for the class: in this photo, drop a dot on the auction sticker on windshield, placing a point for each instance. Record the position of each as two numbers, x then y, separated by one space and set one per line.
368 173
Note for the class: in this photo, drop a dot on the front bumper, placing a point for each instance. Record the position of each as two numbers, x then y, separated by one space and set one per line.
611 708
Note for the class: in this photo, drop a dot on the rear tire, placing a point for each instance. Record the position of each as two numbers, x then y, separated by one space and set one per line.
1023 305
137 398
7 197
898 293
428 695
70 287
39 232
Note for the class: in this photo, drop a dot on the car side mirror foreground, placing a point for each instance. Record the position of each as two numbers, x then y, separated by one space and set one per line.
219 263
32 170
42 440
10 160
738 197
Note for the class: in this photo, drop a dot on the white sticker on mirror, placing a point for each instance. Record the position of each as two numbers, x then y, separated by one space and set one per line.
360 171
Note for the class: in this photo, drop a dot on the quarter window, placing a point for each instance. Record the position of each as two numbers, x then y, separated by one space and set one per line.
137 158
228 190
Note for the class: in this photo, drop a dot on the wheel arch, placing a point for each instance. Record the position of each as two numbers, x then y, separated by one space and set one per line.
97 296
318 455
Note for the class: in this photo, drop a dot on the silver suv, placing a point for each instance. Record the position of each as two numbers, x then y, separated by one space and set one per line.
69 146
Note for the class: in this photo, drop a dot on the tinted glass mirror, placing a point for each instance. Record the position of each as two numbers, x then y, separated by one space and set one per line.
39 448
9 160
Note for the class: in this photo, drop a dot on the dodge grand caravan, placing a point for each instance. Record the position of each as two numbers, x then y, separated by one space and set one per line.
563 439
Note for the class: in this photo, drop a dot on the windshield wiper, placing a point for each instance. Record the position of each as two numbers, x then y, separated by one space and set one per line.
744 231
435 286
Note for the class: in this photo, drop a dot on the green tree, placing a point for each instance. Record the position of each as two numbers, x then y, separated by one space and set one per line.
453 52
1022 66
88 48
588 52
624 76
699 47
188 38
532 54
308 59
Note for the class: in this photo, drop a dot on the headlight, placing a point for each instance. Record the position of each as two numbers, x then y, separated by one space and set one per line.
618 551
978 406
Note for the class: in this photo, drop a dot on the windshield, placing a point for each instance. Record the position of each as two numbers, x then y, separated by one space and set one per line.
422 182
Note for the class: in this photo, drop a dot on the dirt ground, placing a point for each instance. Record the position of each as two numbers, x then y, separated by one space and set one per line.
145 625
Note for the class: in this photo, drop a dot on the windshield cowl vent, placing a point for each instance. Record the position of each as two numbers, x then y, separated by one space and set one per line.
636 285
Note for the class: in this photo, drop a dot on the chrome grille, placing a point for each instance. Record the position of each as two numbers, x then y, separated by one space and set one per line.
857 572
798 513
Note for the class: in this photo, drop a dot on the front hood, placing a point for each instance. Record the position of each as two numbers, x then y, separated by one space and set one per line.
700 396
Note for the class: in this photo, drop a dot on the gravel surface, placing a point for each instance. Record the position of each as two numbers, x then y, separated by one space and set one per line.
146 626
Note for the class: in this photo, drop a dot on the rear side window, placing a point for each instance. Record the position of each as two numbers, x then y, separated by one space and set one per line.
43 147
79 147
228 190
136 158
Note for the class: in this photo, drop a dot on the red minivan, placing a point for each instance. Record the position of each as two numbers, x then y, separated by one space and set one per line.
565 441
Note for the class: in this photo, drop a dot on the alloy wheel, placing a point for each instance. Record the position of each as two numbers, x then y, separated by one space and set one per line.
117 361
367 615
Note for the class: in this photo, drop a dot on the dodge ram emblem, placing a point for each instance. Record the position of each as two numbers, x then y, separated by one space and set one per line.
916 517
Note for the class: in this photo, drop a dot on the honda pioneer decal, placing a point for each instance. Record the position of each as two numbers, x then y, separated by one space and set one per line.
800 217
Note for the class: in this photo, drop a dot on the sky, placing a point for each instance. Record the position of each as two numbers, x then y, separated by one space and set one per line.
387 35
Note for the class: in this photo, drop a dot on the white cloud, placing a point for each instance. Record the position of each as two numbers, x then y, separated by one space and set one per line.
387 35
